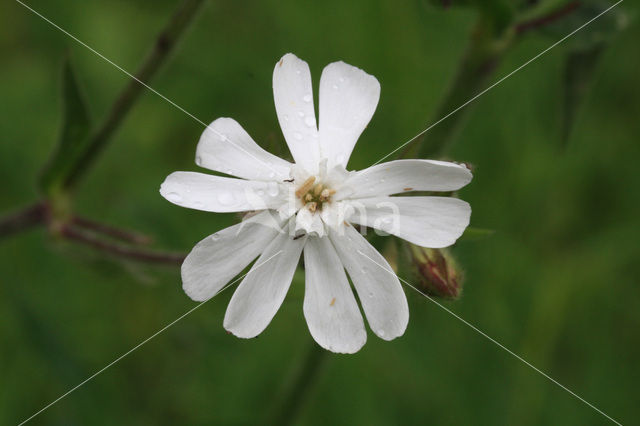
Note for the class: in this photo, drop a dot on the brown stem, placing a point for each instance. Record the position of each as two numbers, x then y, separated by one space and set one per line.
119 250
113 232
164 44
547 19
23 219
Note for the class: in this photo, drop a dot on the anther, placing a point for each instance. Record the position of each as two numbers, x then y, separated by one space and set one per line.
305 186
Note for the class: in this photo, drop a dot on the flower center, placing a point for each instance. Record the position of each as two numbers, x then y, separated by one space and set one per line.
313 195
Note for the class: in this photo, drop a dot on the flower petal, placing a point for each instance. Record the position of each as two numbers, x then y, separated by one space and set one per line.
214 261
348 99
227 148
220 194
433 222
405 175
262 291
330 307
293 98
309 222
380 293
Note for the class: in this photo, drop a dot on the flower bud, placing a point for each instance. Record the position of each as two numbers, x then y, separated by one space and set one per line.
437 272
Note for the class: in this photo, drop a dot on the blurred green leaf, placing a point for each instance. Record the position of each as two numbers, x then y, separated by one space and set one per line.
74 136
579 70
475 234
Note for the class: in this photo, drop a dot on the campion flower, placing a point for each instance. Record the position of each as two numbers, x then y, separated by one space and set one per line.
310 207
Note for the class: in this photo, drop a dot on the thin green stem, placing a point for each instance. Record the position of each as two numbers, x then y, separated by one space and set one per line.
163 46
299 385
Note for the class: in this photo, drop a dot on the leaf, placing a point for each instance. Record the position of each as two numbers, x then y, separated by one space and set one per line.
74 134
579 70
475 234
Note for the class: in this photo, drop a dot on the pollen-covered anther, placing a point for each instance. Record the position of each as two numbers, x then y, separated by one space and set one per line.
313 194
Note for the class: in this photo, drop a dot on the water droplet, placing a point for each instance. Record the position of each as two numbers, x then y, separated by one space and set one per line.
335 87
340 158
215 237
226 198
285 117
224 137
381 332
298 71
310 121
260 192
199 160
370 294
341 79
272 175
382 180
300 114
297 135
229 171
306 98
273 189
174 197
198 204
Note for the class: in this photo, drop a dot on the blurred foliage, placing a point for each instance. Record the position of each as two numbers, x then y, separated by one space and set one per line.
556 283
74 136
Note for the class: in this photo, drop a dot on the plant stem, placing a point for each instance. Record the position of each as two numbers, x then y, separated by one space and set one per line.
478 63
150 256
298 386
23 219
164 44
113 232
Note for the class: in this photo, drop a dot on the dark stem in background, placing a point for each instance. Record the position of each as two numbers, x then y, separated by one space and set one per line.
485 50
128 236
119 250
23 219
164 44
298 385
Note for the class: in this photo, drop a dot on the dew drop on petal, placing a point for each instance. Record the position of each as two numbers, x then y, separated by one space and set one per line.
306 98
226 198
341 79
340 158
310 121
215 237
198 204
285 117
260 192
273 189
301 114
297 135
335 87
199 161
271 175
174 197
224 137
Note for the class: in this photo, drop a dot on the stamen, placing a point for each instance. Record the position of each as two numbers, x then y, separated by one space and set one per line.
312 206
318 189
305 186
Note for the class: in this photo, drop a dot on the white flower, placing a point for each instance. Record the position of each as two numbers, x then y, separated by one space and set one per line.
308 206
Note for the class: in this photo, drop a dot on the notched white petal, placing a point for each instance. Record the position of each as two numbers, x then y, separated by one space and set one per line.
260 294
330 307
293 97
379 290
218 258
433 222
220 194
227 148
401 176
348 99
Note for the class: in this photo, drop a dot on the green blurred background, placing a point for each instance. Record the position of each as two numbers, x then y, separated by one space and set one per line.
557 283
